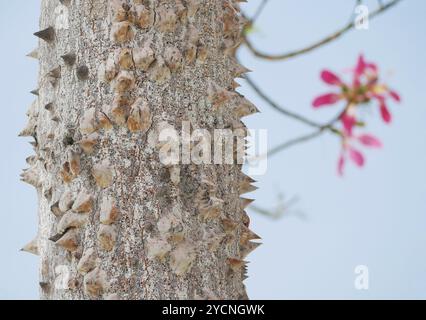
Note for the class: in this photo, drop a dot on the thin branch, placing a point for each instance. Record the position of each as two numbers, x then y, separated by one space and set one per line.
263 211
357 3
295 141
318 44
282 209
259 11
277 215
321 128
326 127
329 126
291 114
280 109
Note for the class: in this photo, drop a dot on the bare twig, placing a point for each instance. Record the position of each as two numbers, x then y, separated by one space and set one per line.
322 129
326 127
259 11
283 208
294 142
317 44
280 109
288 113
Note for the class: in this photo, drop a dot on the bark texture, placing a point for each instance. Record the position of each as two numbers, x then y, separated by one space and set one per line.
114 222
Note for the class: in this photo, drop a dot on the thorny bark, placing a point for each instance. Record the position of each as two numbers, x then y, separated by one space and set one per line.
114 222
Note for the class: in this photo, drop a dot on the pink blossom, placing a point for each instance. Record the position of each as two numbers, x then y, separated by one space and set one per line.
348 150
365 87
326 99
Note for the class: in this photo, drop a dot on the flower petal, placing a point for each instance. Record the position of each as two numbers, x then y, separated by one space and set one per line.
394 95
372 66
361 66
357 82
326 99
356 157
359 71
348 122
377 96
331 78
384 111
341 165
370 141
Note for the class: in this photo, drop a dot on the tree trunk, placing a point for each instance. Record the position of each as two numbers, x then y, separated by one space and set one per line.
115 221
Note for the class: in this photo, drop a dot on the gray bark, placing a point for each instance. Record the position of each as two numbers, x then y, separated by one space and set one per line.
114 221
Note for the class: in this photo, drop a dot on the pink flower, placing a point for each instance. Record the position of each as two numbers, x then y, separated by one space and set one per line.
354 154
365 88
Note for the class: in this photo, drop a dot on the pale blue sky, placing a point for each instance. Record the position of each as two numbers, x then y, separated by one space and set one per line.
375 216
